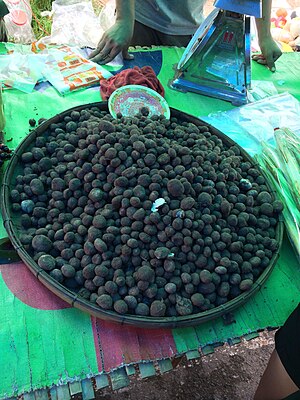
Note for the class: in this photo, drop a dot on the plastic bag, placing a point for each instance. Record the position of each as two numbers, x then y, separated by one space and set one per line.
67 70
18 21
259 90
107 15
21 71
75 23
281 163
254 123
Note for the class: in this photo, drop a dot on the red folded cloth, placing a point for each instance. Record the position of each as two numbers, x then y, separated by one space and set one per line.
144 76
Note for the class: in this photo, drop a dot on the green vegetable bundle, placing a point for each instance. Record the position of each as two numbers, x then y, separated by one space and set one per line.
282 166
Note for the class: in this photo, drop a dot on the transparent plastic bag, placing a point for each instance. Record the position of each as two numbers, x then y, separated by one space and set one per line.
254 123
18 21
107 15
75 23
21 71
281 164
259 90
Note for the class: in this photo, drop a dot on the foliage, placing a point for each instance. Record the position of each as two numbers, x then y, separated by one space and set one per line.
41 25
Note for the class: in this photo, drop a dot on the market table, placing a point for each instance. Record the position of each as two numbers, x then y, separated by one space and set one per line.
48 347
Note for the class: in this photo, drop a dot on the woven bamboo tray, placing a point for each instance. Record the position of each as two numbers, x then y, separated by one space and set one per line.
12 225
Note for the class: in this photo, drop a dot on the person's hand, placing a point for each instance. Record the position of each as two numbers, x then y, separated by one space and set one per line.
115 40
270 52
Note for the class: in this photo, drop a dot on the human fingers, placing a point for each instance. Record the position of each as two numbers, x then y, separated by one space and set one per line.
271 65
258 57
126 55
98 49
269 61
272 58
107 54
106 58
262 61
277 54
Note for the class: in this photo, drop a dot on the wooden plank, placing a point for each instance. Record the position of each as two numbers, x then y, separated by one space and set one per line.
192 354
119 379
75 388
29 396
147 369
87 389
218 344
251 336
101 381
130 370
165 365
41 394
60 392
207 349
234 341
53 393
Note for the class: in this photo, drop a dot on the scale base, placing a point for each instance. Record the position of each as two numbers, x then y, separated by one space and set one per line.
216 63
183 85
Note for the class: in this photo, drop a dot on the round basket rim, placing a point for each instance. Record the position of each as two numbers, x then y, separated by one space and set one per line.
76 301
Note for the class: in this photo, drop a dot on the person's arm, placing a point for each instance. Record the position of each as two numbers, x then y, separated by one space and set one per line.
117 37
268 46
275 382
281 377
